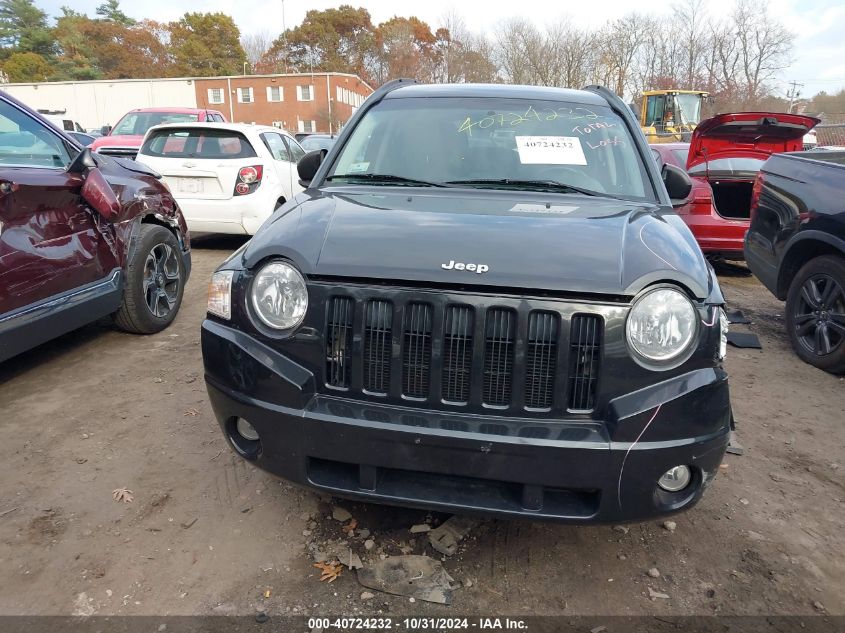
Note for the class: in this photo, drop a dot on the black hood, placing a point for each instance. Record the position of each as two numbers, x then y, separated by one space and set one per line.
533 241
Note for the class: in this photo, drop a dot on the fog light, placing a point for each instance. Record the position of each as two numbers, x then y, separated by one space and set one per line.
248 431
674 479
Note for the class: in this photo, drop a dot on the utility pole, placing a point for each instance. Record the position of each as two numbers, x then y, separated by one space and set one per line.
794 93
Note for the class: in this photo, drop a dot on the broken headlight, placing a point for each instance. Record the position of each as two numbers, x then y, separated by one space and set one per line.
220 294
661 327
724 326
279 295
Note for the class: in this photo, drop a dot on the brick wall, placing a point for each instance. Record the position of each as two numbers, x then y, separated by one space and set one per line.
295 102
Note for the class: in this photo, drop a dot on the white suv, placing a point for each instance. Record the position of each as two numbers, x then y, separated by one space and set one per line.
226 177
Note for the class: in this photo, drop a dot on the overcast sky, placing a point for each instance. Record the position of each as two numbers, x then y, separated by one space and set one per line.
819 25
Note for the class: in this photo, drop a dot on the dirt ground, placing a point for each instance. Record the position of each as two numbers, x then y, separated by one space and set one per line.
206 533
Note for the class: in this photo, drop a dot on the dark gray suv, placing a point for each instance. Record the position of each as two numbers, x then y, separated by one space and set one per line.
483 301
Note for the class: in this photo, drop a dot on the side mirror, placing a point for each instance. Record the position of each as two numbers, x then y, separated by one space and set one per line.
677 182
99 195
105 130
96 190
83 162
308 165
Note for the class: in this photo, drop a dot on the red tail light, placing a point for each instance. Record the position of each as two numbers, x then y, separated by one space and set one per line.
249 178
756 190
701 200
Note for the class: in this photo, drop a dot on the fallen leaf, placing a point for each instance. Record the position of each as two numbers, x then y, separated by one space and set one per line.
329 571
350 527
192 412
267 594
122 494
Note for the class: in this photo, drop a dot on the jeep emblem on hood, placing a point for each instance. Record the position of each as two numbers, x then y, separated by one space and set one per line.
473 268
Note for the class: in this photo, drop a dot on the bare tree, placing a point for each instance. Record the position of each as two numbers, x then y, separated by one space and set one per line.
519 47
255 45
463 55
689 20
577 55
619 42
763 46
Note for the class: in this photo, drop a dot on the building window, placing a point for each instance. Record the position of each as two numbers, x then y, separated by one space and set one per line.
245 95
307 126
305 93
215 96
275 94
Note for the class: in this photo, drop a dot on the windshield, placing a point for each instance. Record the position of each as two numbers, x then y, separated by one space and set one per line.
137 123
310 143
494 143
689 108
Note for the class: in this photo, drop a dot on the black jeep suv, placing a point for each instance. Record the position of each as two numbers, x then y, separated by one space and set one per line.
482 302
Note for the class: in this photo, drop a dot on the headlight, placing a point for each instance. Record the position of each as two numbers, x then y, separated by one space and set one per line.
279 296
662 325
220 294
724 326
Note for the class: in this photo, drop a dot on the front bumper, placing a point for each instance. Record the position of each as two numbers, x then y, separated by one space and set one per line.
569 470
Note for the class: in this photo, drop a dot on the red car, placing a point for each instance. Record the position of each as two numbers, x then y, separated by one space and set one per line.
723 159
82 236
124 139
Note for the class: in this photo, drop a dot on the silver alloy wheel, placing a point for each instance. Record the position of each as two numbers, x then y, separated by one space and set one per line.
161 280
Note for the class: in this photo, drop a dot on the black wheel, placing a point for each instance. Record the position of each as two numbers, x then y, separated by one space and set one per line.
154 282
815 313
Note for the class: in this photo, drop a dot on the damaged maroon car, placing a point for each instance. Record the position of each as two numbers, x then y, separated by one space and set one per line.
82 236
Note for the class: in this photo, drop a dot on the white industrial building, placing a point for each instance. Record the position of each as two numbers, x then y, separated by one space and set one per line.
102 102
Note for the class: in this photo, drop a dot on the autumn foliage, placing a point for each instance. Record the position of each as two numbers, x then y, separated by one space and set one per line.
113 46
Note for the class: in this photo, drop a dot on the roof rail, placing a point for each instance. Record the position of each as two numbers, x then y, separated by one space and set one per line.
386 88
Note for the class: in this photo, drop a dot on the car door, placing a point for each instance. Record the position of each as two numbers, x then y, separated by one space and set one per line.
285 168
50 241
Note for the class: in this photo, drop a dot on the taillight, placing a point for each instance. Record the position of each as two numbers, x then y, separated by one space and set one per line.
756 190
701 201
249 178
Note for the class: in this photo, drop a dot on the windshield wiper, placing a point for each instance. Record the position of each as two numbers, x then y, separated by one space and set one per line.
544 185
387 178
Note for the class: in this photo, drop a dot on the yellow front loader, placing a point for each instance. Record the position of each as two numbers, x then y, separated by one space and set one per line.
670 116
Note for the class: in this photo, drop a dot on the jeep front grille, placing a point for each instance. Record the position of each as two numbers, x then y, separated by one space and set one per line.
422 349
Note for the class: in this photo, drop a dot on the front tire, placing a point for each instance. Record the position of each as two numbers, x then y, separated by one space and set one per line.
154 283
815 313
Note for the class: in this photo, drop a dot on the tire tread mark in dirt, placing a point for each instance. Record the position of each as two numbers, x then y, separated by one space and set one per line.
231 482
510 552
